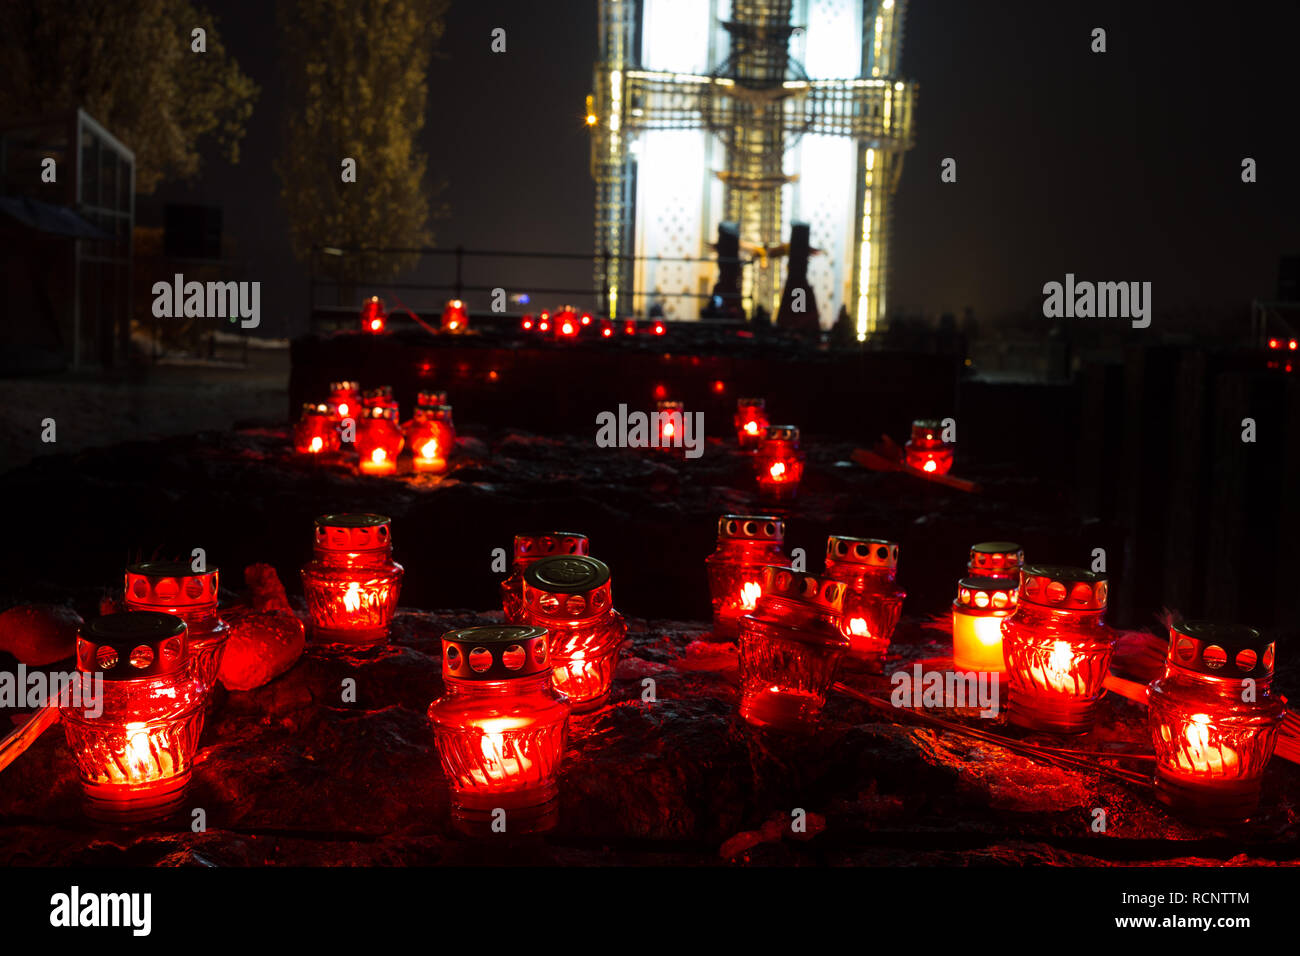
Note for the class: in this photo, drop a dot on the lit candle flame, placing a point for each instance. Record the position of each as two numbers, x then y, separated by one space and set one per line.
1060 663
317 444
930 465
379 456
858 627
1203 756
343 409
751 428
749 594
429 449
352 597
668 429
777 471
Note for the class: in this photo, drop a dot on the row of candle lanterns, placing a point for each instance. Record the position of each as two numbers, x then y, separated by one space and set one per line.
1213 717
378 438
374 317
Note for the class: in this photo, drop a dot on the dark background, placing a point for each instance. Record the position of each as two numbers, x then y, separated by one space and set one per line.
1117 166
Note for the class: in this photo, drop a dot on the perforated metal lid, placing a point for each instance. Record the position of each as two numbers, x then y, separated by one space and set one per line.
132 645
495 652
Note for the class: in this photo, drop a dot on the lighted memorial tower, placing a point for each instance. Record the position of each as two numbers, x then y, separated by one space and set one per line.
755 112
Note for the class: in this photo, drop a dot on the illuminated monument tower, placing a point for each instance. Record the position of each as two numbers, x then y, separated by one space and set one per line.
755 112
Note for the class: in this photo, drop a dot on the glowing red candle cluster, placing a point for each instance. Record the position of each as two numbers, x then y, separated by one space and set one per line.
528 549
316 432
779 463
1214 720
500 728
873 602
352 582
790 646
175 588
751 422
135 758
570 596
926 450
1057 649
746 544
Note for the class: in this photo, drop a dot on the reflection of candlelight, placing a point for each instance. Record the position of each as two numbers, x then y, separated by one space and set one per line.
502 759
749 594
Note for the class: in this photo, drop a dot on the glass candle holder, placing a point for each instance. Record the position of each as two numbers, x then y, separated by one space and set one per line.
874 602
135 758
790 646
779 463
378 441
352 582
429 439
981 606
174 588
316 432
381 397
926 450
529 549
1057 649
746 545
374 319
345 400
751 422
1214 721
996 559
455 317
570 597
670 423
500 728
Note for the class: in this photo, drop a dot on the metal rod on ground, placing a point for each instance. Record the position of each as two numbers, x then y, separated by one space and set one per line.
26 734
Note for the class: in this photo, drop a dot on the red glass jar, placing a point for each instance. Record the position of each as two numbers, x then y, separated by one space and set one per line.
174 588
378 441
316 433
373 317
981 606
1214 721
670 423
779 463
751 422
570 597
790 646
996 559
874 602
352 582
345 400
529 549
1057 649
135 758
500 728
455 317
746 545
926 451
429 439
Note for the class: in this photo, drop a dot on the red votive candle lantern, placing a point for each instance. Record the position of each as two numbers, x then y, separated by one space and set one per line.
570 597
790 645
1214 720
455 317
874 602
981 606
746 545
430 436
381 397
1057 649
530 548
779 463
500 728
378 441
174 588
345 400
926 450
135 759
751 422
672 416
316 433
373 317
352 582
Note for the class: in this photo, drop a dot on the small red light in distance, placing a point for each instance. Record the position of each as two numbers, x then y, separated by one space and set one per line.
660 328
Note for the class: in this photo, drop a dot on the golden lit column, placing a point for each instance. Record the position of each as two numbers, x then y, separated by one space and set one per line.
605 115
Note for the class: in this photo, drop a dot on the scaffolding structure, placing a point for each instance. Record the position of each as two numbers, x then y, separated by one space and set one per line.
752 104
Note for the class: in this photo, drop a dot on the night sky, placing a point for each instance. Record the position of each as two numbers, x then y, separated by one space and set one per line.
1115 166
